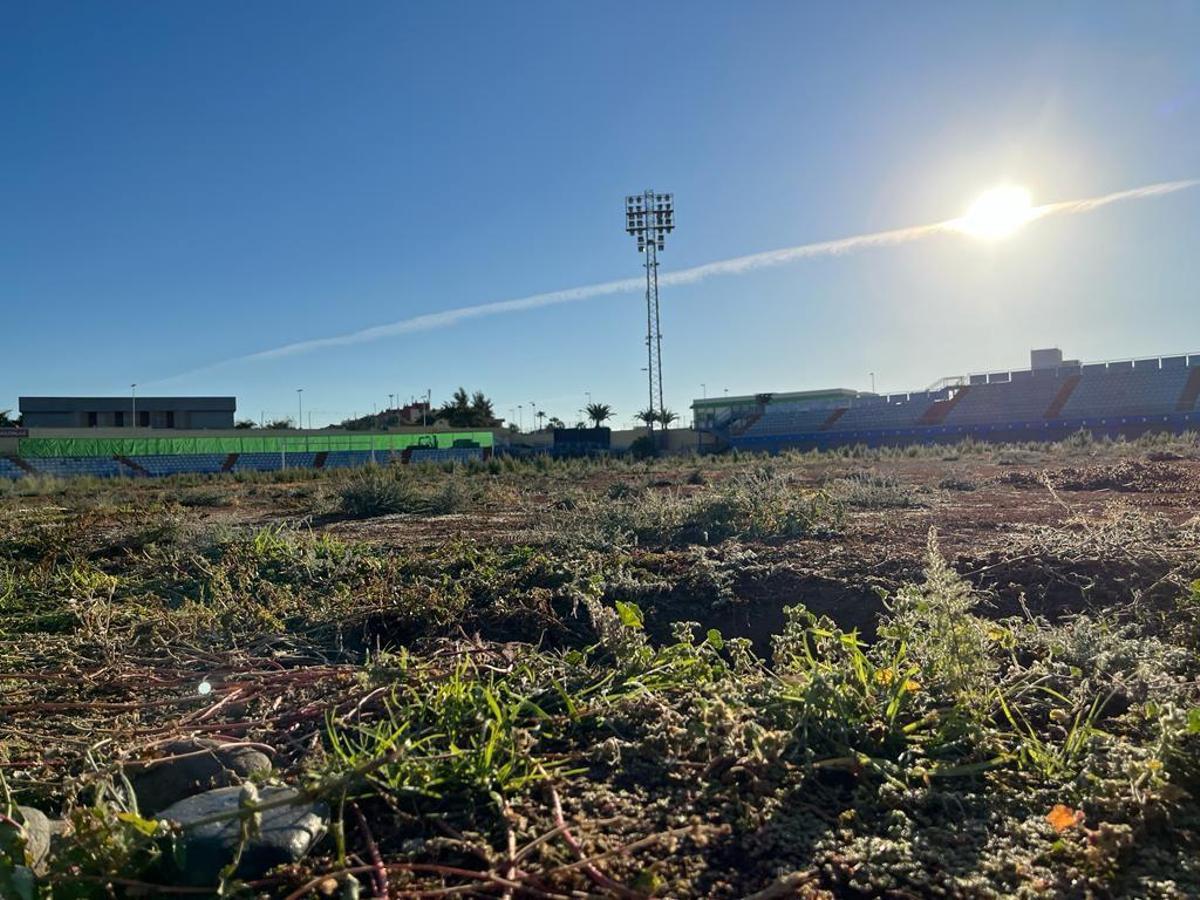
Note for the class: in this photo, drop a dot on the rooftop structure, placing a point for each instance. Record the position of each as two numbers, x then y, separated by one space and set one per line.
128 412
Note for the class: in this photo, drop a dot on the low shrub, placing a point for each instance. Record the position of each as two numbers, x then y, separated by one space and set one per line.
873 490
379 492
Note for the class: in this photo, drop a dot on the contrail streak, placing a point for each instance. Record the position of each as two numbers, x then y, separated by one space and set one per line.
734 266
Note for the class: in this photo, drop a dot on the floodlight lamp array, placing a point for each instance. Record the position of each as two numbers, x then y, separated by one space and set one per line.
649 217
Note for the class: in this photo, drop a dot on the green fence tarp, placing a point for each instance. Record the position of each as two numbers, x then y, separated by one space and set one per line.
37 447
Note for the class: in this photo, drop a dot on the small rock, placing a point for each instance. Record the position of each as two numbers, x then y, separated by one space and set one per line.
286 834
159 784
38 829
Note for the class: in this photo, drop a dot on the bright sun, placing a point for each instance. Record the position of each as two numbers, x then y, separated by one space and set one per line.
997 213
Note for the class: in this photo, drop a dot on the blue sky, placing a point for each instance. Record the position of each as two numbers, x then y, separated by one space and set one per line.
184 184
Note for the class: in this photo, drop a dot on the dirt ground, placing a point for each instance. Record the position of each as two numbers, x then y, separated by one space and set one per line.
662 767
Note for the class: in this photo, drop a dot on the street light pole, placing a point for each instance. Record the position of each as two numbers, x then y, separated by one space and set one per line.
300 407
133 404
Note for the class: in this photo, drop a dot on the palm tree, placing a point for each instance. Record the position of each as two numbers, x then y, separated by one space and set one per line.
465 410
556 422
456 410
482 413
647 417
598 412
666 417
541 417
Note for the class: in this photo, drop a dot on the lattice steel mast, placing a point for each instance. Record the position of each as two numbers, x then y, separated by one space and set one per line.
650 217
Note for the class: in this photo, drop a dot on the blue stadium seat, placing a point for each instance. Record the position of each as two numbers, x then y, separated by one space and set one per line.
196 463
892 415
1025 399
455 454
70 467
273 462
1124 391
348 459
788 422
9 469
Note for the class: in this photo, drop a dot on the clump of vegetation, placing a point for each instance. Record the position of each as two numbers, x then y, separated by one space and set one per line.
380 491
958 483
623 490
210 496
875 490
755 504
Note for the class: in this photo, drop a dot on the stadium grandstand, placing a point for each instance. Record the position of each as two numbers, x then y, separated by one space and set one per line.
64 453
1050 400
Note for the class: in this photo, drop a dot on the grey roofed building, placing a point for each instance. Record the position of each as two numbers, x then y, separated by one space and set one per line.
119 412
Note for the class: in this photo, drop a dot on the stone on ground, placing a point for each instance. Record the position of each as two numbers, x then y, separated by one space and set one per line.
210 765
38 829
286 834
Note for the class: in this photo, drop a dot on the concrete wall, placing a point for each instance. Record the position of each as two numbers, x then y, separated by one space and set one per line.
677 440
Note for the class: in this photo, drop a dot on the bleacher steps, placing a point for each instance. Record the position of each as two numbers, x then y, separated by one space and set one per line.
129 463
1190 392
21 464
1060 399
939 409
746 422
833 417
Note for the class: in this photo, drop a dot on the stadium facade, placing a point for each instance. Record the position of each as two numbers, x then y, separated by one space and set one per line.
1050 400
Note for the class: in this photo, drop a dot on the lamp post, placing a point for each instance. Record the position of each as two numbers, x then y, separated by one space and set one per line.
133 405
300 407
703 391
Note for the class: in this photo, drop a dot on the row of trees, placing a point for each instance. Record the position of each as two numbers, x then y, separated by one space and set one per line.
470 410
599 413
273 425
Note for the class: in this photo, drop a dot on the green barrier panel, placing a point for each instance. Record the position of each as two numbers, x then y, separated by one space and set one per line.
178 446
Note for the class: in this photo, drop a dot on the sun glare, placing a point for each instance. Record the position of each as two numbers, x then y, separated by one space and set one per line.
997 213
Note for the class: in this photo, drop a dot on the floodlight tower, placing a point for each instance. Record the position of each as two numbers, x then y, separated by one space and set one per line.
650 217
